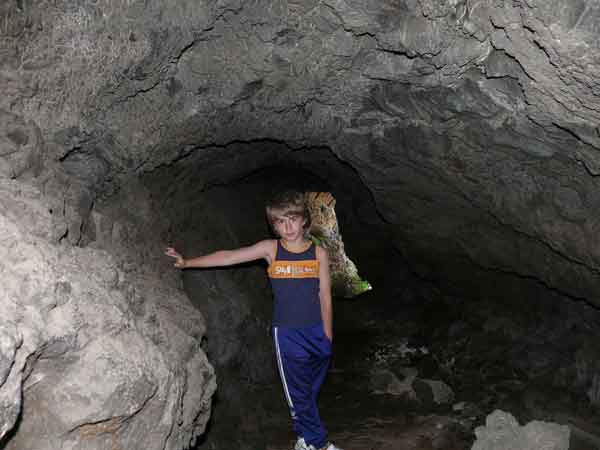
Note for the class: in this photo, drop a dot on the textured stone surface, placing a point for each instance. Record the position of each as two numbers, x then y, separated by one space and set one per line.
473 126
502 431
93 354
587 364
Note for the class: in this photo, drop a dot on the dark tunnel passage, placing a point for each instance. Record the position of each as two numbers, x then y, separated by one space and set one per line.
419 361
459 140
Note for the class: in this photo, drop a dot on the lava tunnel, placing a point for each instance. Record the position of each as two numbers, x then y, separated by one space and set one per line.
459 140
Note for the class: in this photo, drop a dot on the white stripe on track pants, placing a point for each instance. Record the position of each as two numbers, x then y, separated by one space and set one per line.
303 357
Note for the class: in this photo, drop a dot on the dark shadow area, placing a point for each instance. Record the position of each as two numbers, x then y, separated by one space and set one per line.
419 361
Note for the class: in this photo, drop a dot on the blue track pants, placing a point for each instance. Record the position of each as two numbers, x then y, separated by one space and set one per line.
303 356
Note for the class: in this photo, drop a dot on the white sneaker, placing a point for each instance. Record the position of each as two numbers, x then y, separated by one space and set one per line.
331 446
301 444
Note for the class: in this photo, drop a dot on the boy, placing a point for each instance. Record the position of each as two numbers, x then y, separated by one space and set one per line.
302 312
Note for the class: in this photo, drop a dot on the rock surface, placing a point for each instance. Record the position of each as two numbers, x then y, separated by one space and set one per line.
472 126
93 354
502 431
468 124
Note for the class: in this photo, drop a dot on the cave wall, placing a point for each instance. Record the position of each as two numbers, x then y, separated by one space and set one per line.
236 303
472 123
214 200
98 349
473 126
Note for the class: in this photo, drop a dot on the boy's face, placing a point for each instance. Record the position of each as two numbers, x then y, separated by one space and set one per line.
289 226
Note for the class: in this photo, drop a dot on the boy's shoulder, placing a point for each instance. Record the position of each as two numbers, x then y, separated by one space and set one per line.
270 245
321 251
266 242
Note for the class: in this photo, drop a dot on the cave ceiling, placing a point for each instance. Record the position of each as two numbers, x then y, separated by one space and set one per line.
474 124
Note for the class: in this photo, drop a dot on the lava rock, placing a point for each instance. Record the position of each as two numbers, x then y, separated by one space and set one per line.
81 364
502 432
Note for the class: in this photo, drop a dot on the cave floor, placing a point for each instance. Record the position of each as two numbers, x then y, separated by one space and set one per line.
358 419
366 408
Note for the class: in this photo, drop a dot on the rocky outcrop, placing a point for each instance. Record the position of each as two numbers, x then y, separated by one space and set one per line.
473 126
94 353
502 431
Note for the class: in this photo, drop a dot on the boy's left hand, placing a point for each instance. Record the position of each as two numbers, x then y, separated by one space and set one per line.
179 261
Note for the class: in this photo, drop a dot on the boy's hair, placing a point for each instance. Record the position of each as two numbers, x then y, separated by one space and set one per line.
288 202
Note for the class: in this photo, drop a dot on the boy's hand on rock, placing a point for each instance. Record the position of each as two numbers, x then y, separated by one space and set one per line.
179 261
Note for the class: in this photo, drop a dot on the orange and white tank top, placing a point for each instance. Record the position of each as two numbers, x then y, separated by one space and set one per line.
295 283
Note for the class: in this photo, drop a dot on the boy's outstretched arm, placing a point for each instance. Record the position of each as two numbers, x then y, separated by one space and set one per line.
260 250
325 292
